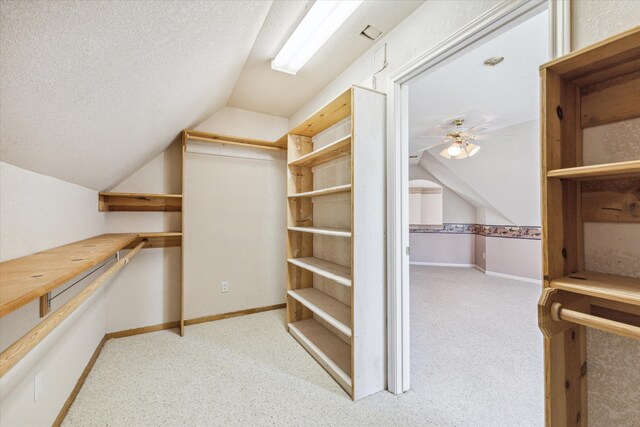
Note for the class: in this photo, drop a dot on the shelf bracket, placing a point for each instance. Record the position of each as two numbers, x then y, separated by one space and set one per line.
45 304
546 317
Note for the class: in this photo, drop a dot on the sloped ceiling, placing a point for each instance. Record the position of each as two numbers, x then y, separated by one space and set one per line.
90 91
264 90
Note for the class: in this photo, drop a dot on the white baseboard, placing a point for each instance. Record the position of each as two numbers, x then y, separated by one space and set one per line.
509 276
490 273
441 264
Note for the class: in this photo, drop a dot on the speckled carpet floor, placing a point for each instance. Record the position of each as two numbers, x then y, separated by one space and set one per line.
476 361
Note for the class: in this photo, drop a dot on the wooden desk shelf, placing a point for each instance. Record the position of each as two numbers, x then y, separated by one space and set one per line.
604 171
139 202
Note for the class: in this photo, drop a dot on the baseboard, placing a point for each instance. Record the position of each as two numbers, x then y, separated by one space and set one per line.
476 266
441 264
143 330
233 314
509 276
79 384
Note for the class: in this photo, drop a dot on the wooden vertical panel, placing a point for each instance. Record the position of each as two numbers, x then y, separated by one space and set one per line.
184 152
299 213
45 307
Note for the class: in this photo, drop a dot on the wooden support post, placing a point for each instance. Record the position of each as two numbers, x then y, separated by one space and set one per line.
45 304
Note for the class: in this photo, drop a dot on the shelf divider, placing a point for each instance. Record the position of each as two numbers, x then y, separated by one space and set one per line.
337 232
601 285
339 148
324 191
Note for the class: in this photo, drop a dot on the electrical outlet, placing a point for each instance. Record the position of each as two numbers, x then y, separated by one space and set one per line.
224 287
37 387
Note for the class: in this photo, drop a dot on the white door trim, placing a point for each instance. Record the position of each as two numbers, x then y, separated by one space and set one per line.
397 158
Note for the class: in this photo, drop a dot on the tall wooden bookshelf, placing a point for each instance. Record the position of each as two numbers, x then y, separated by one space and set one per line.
336 247
591 87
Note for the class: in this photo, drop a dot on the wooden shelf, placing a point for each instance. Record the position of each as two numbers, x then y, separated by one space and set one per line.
330 309
323 191
608 286
333 354
337 232
167 239
327 116
603 171
25 279
139 202
197 135
335 272
339 148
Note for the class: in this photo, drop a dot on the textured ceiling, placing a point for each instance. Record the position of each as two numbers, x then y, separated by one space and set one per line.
264 90
90 91
493 97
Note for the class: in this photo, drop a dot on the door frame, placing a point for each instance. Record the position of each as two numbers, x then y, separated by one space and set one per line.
498 17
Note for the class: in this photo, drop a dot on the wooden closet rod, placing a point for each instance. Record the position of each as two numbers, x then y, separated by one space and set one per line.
14 353
223 141
558 313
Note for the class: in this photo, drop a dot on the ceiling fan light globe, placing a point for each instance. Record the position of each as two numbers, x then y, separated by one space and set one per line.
463 155
445 154
472 149
454 150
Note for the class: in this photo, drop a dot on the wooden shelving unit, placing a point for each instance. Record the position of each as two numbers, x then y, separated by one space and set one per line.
591 87
143 202
335 283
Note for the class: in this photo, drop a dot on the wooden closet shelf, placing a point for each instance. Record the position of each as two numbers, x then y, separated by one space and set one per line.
603 171
25 279
333 354
601 285
337 232
335 272
136 202
197 135
323 191
339 148
330 309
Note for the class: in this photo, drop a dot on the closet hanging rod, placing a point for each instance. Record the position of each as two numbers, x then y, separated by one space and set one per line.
16 351
222 141
559 313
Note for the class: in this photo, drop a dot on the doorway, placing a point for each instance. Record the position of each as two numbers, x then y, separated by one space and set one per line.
471 201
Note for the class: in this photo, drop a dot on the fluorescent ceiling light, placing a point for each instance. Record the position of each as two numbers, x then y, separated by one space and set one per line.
322 20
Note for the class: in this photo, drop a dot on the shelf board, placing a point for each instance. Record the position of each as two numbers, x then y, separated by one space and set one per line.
197 135
166 239
339 148
601 285
337 232
323 191
603 171
326 117
335 272
139 202
333 354
25 279
330 309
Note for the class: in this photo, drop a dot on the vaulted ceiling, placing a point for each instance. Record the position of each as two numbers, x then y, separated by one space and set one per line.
91 91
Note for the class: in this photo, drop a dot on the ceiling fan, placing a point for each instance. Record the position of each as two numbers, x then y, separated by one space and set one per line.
459 140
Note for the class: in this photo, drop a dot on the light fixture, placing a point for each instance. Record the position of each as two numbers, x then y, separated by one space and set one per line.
322 20
460 145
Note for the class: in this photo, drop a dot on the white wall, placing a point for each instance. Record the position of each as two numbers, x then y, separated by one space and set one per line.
38 212
442 248
235 219
147 291
455 209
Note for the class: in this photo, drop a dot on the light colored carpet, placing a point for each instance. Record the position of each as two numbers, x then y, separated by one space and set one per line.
476 361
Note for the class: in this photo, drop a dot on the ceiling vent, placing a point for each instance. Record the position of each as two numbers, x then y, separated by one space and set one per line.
370 32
